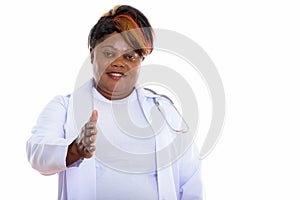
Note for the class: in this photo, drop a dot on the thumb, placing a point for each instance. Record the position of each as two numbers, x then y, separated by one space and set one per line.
94 116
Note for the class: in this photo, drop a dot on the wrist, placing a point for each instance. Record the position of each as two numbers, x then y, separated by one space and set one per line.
72 155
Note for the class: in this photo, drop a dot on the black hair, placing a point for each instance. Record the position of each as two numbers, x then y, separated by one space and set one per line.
120 19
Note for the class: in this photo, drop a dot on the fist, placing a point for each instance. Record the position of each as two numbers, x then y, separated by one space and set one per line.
87 137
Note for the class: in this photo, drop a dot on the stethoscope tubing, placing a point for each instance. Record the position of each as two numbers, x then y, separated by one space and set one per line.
157 104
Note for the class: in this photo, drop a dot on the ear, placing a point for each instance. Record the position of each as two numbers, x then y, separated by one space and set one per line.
92 54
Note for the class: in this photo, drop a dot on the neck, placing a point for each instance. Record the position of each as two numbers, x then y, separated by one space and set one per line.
114 95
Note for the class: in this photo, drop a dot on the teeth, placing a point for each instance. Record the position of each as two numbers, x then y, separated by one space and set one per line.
115 74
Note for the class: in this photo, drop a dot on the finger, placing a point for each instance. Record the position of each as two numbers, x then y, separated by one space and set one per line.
90 132
94 116
89 150
93 139
89 125
87 141
80 136
80 147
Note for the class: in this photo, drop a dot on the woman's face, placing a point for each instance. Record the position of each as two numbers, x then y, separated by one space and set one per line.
115 67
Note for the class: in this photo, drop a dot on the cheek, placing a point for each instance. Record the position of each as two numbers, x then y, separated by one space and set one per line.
134 74
136 71
98 69
96 72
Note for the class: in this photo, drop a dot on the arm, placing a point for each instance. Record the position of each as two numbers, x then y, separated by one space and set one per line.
47 148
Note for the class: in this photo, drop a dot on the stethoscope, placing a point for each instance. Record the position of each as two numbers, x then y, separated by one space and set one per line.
156 98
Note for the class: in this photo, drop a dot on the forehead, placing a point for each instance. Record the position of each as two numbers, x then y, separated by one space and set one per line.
114 41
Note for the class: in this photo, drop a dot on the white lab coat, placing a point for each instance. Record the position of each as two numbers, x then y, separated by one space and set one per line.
58 126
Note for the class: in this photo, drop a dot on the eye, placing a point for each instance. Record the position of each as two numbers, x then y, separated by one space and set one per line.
108 54
131 56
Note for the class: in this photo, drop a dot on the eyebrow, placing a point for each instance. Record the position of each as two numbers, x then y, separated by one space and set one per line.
110 46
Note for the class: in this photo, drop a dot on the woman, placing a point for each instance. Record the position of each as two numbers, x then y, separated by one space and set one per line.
81 148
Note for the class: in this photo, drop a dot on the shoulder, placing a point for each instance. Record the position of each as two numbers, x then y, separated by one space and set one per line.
60 100
53 115
57 106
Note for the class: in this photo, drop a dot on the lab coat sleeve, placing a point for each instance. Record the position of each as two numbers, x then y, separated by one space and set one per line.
191 187
47 147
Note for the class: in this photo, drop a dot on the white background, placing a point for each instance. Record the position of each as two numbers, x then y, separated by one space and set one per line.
255 46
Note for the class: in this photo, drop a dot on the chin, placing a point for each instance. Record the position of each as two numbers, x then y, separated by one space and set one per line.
121 90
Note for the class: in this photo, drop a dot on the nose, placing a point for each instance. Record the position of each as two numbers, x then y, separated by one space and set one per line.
118 62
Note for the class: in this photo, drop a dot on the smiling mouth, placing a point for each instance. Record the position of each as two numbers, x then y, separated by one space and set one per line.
116 75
